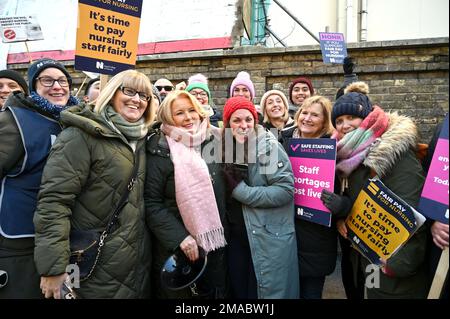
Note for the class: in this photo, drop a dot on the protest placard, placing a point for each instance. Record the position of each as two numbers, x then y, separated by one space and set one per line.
20 29
313 162
333 47
107 35
434 199
380 222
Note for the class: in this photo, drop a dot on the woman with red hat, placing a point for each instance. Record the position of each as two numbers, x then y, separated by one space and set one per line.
262 250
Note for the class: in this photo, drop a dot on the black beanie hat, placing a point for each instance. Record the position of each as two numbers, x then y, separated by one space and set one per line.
352 103
15 76
40 65
89 84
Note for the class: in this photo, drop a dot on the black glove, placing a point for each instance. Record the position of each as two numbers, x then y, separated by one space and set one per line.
234 174
348 65
338 205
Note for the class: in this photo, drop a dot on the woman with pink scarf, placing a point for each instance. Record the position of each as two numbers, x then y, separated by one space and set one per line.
184 193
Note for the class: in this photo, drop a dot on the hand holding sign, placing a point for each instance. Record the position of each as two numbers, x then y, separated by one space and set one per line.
338 205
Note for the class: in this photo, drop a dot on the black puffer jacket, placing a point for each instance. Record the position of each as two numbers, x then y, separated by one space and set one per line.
165 222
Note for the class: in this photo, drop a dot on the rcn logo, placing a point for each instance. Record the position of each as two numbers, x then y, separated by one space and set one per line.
99 65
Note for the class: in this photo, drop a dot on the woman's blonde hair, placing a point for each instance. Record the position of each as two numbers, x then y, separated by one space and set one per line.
326 110
132 79
164 114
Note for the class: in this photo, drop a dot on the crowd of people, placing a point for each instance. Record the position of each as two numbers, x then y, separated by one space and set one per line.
187 177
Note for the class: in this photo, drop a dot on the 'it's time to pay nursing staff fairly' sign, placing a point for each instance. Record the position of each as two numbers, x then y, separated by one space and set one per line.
107 35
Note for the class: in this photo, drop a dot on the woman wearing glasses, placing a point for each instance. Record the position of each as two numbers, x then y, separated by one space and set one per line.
85 176
198 87
28 126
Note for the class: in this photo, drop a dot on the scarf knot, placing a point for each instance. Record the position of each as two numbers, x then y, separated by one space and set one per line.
132 131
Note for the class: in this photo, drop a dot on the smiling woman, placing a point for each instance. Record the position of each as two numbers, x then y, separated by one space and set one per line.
28 125
274 107
313 120
262 254
184 193
11 81
92 161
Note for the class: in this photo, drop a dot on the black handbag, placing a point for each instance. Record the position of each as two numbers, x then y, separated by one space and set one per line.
86 245
84 251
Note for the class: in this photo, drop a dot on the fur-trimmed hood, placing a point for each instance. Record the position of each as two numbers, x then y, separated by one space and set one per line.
401 135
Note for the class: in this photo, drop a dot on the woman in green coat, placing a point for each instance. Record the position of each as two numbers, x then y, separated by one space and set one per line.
375 143
262 247
85 176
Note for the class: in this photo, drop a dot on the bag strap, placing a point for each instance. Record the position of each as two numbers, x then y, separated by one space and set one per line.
123 199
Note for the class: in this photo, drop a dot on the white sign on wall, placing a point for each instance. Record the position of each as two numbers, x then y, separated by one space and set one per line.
20 28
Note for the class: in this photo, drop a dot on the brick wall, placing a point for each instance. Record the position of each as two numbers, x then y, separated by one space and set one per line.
408 76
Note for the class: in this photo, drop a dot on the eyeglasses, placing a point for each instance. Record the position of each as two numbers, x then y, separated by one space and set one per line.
132 92
49 82
199 94
166 88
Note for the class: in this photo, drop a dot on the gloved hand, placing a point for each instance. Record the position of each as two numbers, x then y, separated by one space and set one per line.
234 174
348 65
338 205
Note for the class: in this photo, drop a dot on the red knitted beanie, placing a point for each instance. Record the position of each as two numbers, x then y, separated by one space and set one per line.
235 103
300 80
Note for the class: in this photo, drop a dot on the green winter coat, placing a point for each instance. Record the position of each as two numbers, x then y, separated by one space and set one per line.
268 210
394 161
86 172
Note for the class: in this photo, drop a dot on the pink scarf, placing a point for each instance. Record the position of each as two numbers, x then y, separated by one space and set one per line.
194 192
354 146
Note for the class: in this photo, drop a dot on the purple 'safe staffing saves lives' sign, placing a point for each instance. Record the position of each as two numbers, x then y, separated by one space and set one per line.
313 162
434 200
333 47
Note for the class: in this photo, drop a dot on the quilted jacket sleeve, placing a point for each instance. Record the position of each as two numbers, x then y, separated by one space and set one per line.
64 175
11 146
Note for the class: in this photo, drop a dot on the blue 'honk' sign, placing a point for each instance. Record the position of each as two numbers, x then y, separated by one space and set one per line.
333 47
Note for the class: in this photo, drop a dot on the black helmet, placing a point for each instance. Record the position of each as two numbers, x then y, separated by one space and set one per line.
178 272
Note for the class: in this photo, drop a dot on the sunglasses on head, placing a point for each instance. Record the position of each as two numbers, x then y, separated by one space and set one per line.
167 88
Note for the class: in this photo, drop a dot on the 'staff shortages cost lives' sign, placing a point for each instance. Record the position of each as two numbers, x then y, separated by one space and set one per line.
107 35
313 162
